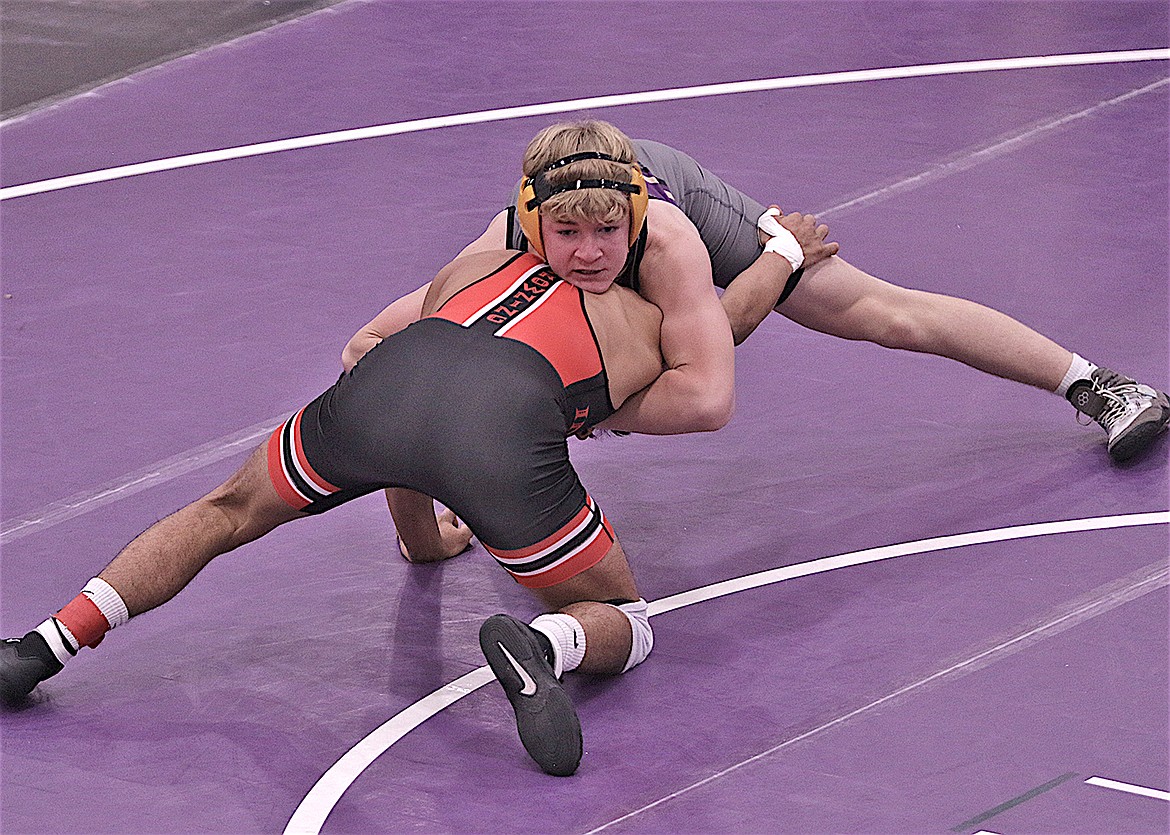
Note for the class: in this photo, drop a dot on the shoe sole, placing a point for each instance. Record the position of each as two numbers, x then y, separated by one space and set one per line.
546 720
1135 441
1137 438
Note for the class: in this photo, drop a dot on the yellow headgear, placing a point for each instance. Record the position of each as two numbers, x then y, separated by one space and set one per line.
537 189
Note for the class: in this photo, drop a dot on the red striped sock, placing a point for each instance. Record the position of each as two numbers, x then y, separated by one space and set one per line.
84 620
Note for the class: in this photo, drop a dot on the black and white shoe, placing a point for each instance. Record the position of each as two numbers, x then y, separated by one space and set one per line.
545 717
1132 414
24 663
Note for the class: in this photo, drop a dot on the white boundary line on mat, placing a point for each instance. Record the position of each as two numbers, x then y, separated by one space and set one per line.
311 813
592 103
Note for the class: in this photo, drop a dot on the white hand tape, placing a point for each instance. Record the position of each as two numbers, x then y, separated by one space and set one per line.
782 242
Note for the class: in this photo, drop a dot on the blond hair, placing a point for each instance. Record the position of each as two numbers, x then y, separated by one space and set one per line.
561 140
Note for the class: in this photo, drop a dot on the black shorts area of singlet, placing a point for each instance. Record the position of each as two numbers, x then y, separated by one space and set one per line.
476 423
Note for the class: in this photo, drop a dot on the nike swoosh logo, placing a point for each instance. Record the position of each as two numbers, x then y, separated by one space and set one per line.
529 688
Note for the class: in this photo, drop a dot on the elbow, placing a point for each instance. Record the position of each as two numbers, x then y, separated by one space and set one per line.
714 413
354 350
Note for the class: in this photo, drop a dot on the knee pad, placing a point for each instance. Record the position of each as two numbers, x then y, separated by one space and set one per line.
642 637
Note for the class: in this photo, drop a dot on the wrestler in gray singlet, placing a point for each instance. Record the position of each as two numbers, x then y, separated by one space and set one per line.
725 217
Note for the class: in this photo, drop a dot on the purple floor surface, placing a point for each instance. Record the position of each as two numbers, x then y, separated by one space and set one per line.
154 327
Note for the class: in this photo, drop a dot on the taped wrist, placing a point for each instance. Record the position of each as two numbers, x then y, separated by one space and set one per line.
782 242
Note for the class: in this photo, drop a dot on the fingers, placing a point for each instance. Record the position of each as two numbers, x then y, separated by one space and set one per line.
458 539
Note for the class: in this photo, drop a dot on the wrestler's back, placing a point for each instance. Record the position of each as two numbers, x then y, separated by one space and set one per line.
627 326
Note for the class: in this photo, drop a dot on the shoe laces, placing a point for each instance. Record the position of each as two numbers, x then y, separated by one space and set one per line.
1122 396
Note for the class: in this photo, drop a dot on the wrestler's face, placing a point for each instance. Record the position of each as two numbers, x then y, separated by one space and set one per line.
586 253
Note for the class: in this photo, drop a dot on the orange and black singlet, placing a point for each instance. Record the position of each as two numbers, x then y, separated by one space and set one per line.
526 301
470 405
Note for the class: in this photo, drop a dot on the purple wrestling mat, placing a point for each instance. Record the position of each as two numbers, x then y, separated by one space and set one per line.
988 650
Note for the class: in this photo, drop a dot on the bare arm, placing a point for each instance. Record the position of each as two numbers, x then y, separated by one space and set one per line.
492 238
696 392
752 295
393 318
423 537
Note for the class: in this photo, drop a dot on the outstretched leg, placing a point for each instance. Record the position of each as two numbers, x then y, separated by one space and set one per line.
148 572
836 298
161 560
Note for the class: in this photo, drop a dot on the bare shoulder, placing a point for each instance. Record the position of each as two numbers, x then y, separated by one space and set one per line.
621 308
667 224
676 269
464 270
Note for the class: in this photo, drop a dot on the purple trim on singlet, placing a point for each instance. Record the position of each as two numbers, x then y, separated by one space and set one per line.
656 190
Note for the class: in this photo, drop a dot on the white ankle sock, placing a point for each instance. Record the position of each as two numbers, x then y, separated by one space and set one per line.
108 601
1079 369
59 639
568 640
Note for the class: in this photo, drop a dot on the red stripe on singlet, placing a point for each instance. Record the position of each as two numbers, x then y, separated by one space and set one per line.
561 333
475 296
552 322
280 482
307 468
588 556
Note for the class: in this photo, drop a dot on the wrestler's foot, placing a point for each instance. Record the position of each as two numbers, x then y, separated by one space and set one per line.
1131 413
545 717
24 663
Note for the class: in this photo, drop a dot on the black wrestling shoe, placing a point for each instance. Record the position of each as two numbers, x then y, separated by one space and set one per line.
545 717
1131 413
24 663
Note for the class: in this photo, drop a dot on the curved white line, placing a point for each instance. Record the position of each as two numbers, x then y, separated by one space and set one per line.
310 814
593 103
1150 578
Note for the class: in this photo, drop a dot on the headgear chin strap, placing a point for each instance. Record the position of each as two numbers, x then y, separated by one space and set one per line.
537 189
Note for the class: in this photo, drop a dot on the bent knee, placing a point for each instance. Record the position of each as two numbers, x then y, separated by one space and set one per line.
642 636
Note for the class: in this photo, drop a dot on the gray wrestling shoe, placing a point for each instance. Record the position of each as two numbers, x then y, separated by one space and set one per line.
24 663
545 717
1131 413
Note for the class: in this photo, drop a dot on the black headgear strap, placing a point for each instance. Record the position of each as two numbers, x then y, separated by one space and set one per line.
542 190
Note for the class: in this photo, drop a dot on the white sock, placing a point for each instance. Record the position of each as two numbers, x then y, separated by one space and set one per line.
567 637
59 639
108 601
1080 369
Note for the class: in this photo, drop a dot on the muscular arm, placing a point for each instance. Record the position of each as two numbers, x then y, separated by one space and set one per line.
696 392
423 537
752 295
